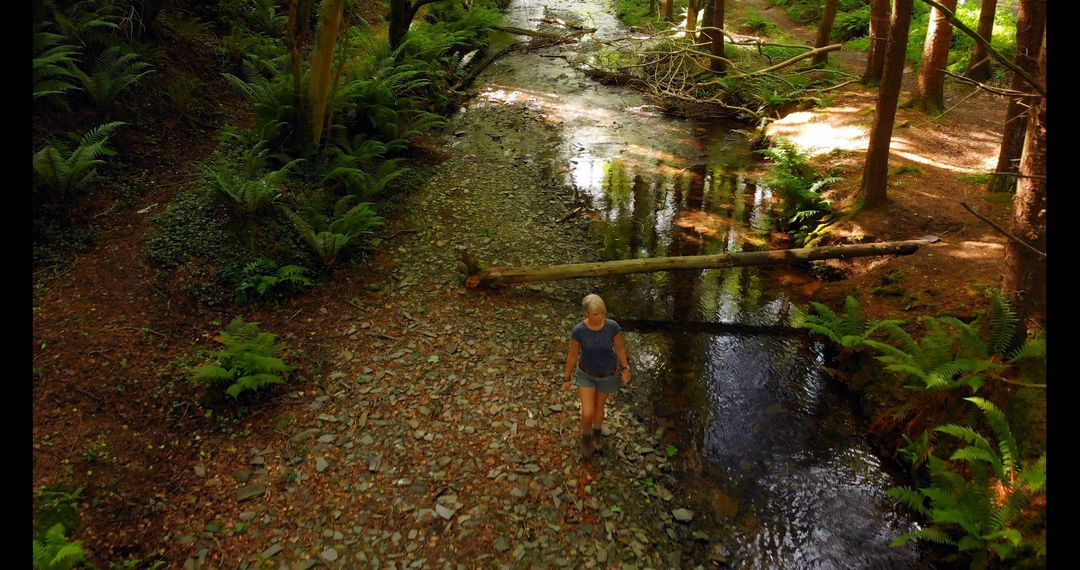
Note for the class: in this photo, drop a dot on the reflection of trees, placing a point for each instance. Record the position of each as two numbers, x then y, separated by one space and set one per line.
640 217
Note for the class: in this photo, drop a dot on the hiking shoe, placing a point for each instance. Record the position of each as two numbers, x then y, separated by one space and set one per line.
587 448
598 439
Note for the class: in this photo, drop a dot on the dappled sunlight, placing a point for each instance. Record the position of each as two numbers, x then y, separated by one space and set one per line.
704 223
557 106
976 250
987 163
804 129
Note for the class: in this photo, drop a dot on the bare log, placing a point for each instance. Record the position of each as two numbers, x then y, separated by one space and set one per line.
494 276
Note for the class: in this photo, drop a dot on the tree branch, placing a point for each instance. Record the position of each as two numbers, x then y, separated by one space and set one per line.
1003 231
990 88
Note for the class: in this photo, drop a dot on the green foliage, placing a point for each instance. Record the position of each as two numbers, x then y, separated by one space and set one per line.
246 190
980 179
265 277
114 71
849 330
805 211
632 12
248 362
263 16
331 236
359 165
54 552
269 87
56 505
88 23
758 25
62 174
984 509
54 64
851 25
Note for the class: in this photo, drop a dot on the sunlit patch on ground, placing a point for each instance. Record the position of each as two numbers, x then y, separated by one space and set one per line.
703 223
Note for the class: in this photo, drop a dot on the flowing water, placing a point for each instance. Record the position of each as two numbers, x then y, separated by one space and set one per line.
769 452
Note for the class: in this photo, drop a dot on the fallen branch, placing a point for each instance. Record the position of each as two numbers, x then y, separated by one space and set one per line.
1003 231
494 276
991 88
538 34
794 60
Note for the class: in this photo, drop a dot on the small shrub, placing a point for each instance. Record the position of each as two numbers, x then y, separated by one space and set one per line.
248 361
265 277
62 174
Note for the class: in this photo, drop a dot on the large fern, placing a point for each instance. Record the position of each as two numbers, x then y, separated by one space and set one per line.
977 510
114 71
54 552
329 239
55 60
62 173
248 362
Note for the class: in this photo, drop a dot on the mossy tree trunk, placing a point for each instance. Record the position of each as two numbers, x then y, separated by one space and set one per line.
400 19
929 93
1025 277
1030 26
669 9
825 31
979 69
876 169
879 40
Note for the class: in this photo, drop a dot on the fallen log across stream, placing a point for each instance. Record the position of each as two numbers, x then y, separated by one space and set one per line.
479 276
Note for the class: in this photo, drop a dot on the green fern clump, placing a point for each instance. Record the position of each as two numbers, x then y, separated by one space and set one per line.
54 552
54 64
331 236
265 277
849 329
986 508
248 362
805 211
60 173
114 71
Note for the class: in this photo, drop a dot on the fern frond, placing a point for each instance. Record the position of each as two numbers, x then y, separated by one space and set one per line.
965 434
1006 443
1003 322
931 534
1031 349
909 498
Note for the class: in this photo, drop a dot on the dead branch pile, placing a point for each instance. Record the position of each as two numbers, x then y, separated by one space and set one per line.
673 70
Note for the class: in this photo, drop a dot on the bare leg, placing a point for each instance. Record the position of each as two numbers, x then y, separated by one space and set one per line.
598 419
588 409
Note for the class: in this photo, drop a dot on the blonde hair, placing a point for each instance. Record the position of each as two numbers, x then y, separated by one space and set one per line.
592 303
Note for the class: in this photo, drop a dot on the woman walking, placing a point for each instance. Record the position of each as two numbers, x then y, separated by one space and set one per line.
597 359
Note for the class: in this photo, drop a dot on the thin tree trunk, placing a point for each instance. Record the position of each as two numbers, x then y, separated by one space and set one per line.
669 8
1030 25
879 39
876 170
716 37
500 276
825 31
979 70
929 93
706 13
691 16
1025 272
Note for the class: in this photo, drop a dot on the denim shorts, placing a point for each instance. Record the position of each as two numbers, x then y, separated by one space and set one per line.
605 384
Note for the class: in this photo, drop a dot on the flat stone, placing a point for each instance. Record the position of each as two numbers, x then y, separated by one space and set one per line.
250 491
303 564
270 552
444 512
241 475
326 438
329 555
247 515
200 470
321 464
501 545
305 435
683 515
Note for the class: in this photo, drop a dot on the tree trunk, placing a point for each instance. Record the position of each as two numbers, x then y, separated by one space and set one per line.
401 16
322 59
716 37
691 16
876 170
825 31
669 8
706 14
879 39
1025 272
979 70
146 11
1030 25
929 93
652 7
499 276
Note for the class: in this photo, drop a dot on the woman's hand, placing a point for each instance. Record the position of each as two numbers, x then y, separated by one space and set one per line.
625 376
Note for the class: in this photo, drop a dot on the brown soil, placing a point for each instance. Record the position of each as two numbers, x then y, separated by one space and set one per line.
111 415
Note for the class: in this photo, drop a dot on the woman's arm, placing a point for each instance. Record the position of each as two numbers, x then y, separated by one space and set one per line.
571 361
620 353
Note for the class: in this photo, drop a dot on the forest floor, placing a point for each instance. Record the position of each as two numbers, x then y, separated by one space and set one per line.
425 426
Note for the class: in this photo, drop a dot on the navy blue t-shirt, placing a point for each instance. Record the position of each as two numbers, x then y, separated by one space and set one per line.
597 347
